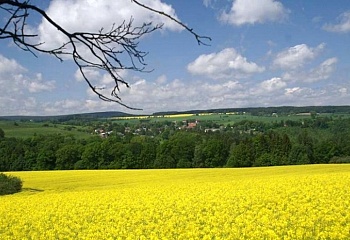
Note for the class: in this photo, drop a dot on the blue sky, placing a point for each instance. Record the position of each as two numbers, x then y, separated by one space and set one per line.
263 53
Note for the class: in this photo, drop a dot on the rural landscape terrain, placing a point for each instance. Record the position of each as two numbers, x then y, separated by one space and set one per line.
179 175
215 138
174 120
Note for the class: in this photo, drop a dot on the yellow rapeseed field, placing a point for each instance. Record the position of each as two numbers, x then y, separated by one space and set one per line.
299 202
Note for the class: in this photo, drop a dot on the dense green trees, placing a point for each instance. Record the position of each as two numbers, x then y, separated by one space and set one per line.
314 141
242 155
68 155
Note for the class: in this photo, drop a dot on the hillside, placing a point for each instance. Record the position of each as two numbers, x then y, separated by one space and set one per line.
93 115
254 111
267 110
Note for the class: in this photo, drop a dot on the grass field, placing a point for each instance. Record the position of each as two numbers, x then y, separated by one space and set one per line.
28 129
218 118
298 202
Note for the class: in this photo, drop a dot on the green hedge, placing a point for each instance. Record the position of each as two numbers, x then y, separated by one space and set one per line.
9 184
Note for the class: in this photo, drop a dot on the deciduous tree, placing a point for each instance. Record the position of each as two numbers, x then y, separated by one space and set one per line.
107 48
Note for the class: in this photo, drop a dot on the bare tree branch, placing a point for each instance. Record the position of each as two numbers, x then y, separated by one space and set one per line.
106 47
200 39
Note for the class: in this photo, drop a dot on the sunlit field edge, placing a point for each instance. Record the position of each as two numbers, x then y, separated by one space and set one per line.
290 202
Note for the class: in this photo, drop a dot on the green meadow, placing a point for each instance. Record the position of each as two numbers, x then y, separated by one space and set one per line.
28 129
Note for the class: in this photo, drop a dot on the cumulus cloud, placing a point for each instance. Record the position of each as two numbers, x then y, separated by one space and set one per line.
15 79
227 63
297 56
161 79
291 91
37 84
103 82
272 84
91 16
305 95
69 106
343 25
343 90
89 73
182 94
185 95
254 11
11 77
9 66
16 85
321 72
266 89
311 96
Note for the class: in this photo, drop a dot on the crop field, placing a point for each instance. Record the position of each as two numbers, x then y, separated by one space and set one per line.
223 119
28 129
292 202
215 117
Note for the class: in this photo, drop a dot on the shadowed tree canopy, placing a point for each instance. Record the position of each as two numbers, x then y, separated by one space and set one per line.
107 48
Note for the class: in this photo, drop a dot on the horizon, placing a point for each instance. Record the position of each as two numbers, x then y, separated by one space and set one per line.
211 110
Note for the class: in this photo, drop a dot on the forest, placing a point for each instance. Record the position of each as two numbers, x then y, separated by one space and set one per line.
246 143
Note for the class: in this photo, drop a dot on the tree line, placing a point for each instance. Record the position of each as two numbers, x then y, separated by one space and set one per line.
318 141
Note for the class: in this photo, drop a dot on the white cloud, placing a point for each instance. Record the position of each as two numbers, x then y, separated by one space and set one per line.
225 64
161 79
304 93
291 91
91 16
272 84
89 73
343 90
266 90
9 66
254 11
321 72
343 25
178 94
297 56
304 96
104 83
17 83
330 94
37 84
15 79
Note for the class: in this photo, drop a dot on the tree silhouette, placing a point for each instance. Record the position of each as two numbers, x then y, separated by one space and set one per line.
107 47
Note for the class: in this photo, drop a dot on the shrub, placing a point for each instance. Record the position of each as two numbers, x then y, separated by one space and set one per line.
9 184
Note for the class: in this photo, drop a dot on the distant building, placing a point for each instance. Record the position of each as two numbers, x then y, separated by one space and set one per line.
211 130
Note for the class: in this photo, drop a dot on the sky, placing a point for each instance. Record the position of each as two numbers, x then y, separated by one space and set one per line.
263 53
